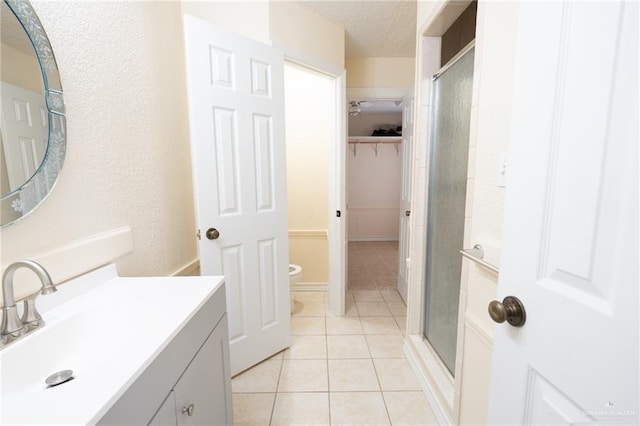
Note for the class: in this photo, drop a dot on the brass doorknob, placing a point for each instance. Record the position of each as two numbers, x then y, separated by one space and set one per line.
212 234
511 310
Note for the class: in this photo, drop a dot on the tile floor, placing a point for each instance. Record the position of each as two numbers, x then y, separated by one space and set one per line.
373 265
338 371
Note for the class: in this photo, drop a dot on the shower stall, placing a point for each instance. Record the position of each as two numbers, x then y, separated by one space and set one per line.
446 195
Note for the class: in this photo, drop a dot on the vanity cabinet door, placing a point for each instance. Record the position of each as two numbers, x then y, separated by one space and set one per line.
166 414
203 393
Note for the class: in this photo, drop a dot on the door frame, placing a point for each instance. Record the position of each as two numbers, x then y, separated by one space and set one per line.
377 93
336 232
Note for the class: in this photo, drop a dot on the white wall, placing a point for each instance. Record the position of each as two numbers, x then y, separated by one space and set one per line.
365 123
380 72
373 192
247 18
128 157
490 121
300 29
308 104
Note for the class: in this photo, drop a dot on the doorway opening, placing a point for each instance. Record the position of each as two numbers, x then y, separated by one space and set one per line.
308 102
374 176
313 135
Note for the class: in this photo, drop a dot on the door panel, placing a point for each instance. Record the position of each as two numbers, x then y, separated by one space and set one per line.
236 105
405 197
571 220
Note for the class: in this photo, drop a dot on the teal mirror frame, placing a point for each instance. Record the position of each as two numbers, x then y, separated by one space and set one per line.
41 183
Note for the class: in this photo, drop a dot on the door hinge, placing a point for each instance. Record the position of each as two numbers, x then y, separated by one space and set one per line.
338 213
407 213
198 235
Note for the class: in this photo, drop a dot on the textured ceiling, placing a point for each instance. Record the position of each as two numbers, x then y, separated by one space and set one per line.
373 28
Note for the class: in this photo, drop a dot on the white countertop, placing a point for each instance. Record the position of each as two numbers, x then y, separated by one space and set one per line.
105 328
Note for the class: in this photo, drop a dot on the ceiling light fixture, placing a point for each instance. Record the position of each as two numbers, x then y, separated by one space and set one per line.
354 109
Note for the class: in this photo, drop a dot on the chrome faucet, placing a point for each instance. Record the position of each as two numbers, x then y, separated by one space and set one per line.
12 325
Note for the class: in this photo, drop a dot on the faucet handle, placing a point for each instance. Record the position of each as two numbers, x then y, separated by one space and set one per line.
11 324
31 318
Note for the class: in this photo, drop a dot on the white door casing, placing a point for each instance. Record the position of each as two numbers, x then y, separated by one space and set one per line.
570 250
338 244
236 108
405 197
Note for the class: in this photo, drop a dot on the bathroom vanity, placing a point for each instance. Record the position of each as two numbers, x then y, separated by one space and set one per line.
142 350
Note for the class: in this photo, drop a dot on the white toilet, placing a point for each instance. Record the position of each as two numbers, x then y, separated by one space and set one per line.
295 273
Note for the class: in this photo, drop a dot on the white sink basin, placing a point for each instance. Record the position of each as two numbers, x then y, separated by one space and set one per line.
107 336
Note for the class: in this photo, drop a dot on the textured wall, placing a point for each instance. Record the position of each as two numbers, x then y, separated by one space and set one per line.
490 118
299 28
247 18
380 72
128 157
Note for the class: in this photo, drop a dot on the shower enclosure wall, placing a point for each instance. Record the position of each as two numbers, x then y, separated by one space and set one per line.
451 100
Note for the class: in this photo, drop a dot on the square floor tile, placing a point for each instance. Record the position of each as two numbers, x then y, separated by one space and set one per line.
309 408
346 347
347 375
395 375
277 356
397 309
310 309
367 296
343 325
409 408
380 325
308 326
307 347
385 346
351 310
373 309
391 295
358 408
402 324
349 296
260 378
252 408
303 376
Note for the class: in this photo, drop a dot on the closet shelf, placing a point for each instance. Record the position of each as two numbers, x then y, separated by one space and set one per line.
375 139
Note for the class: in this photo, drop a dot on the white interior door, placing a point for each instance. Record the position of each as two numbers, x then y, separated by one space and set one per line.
24 132
405 197
570 249
236 107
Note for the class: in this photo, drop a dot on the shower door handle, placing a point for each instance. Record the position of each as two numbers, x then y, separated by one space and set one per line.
510 309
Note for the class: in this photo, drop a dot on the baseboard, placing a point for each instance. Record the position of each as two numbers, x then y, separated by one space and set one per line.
188 269
309 287
434 395
308 233
362 239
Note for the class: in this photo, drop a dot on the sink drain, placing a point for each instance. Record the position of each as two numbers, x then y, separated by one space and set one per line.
59 378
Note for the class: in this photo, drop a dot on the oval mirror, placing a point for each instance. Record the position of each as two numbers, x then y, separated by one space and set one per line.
32 113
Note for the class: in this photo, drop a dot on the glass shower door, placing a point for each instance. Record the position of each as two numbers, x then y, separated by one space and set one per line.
447 189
